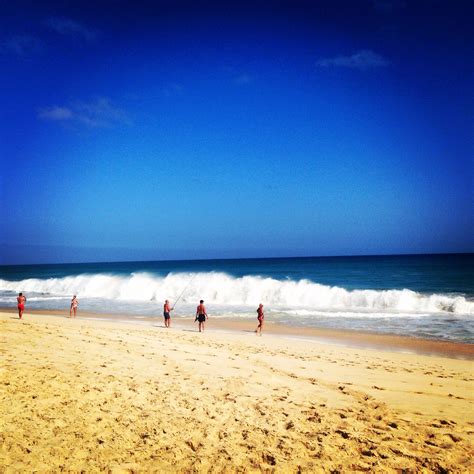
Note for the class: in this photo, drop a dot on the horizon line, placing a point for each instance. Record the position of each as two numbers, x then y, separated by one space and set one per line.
242 258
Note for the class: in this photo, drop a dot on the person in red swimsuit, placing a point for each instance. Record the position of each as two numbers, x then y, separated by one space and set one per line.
21 304
260 317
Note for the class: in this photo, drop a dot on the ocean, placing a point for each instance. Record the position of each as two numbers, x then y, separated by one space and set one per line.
429 296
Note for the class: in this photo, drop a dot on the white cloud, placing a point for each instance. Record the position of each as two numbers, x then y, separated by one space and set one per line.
68 27
363 59
173 89
56 113
21 45
100 113
243 79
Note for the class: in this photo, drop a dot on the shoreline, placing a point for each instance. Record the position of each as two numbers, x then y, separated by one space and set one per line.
339 337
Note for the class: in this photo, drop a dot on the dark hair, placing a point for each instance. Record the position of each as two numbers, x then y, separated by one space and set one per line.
202 301
21 294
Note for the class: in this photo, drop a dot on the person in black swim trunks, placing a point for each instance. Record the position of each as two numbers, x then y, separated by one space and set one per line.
166 313
201 315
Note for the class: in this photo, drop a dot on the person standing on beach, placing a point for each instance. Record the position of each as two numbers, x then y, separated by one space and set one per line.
166 313
201 315
21 300
74 305
260 317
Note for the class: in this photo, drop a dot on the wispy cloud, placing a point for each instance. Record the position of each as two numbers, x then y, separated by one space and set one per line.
173 89
100 113
56 113
363 59
243 79
21 45
238 75
69 27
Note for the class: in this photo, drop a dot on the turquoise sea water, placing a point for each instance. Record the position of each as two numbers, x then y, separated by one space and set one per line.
419 295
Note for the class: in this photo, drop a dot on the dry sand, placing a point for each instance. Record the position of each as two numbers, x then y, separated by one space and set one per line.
93 395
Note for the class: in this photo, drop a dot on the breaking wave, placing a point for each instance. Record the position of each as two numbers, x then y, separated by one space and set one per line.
221 289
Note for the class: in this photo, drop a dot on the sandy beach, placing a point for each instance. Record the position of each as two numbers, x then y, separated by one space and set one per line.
94 395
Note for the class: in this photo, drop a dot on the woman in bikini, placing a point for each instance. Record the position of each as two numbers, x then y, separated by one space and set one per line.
260 317
74 305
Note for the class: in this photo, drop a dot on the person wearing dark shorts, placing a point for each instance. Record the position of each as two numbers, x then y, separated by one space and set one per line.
201 315
166 313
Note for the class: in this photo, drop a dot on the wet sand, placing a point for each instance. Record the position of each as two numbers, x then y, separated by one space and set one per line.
367 340
86 394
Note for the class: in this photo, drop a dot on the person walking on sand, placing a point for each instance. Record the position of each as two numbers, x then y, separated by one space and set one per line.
166 313
260 317
21 300
74 305
201 315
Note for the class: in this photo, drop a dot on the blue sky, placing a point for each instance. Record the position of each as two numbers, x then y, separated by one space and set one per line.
168 130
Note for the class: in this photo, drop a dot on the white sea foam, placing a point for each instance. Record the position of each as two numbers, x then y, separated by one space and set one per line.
223 290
